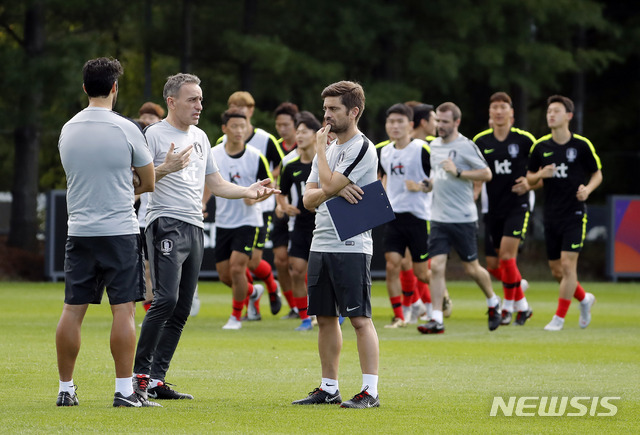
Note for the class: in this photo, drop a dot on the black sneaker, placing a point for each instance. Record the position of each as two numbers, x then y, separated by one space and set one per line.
523 316
66 398
362 400
320 397
506 317
275 300
140 385
293 314
164 391
431 327
119 401
495 317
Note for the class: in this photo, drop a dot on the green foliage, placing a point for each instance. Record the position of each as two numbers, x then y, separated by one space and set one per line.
244 381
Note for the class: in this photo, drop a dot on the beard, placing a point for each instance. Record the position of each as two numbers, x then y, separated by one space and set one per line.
339 127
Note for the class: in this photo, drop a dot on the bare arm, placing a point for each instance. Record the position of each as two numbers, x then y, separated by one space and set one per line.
220 187
173 162
483 174
332 182
146 178
584 191
533 178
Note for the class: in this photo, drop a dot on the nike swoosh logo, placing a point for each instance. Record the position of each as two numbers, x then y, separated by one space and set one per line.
548 154
247 248
295 174
575 245
136 404
517 233
489 151
423 256
351 309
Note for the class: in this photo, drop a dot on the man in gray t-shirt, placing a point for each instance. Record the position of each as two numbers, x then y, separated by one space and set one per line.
98 149
183 164
456 163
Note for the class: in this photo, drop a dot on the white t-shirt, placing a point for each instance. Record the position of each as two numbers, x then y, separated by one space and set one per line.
357 160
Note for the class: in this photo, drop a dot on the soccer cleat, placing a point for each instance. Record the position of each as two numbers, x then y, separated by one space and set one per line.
133 401
396 322
431 327
506 317
320 397
524 284
495 318
275 300
293 314
195 304
68 398
362 400
523 316
585 309
232 323
163 391
447 306
555 324
140 385
418 309
305 325
253 310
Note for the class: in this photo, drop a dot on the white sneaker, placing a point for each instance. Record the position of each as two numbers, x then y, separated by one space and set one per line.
195 304
418 309
397 322
232 323
555 324
585 310
524 284
252 311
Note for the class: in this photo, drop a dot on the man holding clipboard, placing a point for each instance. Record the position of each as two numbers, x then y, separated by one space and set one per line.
339 278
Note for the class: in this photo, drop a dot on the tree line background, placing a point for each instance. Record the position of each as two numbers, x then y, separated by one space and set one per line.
288 50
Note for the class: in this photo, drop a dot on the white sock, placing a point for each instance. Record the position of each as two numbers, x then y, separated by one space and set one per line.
493 301
430 310
507 305
522 305
437 316
124 386
329 385
370 382
66 386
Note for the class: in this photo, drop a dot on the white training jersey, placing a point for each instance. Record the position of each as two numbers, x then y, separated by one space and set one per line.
242 169
409 163
179 195
357 160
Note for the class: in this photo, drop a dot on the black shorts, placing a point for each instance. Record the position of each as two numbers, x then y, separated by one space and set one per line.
407 231
300 242
463 237
339 283
280 232
264 230
241 239
93 263
512 225
145 251
489 250
565 235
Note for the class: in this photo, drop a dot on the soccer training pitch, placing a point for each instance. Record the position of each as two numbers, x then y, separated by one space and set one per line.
244 381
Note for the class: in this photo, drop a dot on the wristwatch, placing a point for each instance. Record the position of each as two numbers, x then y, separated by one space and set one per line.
458 172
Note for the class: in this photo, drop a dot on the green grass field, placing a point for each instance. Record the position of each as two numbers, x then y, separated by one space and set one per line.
244 381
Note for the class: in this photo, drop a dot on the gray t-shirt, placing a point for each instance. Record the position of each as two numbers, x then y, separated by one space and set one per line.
97 148
453 197
357 160
179 195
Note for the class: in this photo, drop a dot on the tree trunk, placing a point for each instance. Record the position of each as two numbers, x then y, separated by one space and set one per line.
187 24
148 29
248 25
24 219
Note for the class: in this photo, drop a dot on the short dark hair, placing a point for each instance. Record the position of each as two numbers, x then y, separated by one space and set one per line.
351 95
286 108
308 119
99 75
500 96
565 101
227 115
400 109
450 107
421 111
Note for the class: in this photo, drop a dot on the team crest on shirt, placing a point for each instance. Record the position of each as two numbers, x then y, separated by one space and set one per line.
166 246
513 150
572 154
198 149
452 154
341 156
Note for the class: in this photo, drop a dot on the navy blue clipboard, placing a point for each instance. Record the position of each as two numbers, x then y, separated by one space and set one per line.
352 219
